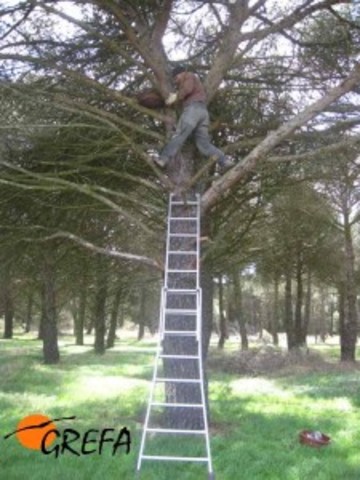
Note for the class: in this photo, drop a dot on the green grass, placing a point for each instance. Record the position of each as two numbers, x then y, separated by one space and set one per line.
255 420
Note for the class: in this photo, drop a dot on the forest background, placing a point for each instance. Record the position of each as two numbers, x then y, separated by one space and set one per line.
83 220
83 209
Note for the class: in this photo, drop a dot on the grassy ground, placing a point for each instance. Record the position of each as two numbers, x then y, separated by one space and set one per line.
256 417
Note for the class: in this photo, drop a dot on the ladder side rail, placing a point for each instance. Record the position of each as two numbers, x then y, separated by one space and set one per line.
198 315
202 391
199 325
198 231
168 241
149 405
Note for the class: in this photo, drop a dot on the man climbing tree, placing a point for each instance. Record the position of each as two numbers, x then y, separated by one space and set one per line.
193 120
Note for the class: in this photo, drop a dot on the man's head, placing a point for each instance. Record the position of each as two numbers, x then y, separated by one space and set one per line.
177 70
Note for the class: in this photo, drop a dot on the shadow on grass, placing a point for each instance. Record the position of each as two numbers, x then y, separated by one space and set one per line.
22 368
254 421
259 431
246 444
84 384
341 383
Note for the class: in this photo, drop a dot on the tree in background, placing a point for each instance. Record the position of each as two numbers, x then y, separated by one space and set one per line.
71 94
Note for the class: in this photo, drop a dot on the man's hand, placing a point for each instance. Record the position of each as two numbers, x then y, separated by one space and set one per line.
171 99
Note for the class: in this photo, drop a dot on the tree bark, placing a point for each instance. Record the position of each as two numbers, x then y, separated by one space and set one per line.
110 341
239 310
142 314
299 334
80 317
348 324
275 313
222 319
100 309
288 320
207 287
29 307
307 308
90 325
187 418
322 323
49 318
8 314
7 302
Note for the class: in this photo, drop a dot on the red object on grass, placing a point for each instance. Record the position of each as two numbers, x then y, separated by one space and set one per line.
313 439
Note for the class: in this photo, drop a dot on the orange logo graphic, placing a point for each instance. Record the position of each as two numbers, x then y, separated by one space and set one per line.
32 429
36 431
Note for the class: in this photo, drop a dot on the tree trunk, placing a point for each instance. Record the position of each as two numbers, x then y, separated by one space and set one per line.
110 341
288 320
80 317
142 314
42 320
121 319
8 314
239 310
28 318
7 302
332 311
307 309
182 345
222 319
90 325
100 309
299 334
49 326
207 287
348 325
180 173
275 313
322 323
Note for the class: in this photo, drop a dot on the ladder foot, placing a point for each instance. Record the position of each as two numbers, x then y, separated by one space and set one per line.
211 476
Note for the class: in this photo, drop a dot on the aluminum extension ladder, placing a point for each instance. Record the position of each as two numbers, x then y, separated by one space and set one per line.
179 341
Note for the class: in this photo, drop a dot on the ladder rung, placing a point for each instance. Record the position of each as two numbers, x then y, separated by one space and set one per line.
182 290
178 380
176 459
183 218
171 270
186 235
178 357
182 252
179 311
180 333
190 202
177 405
174 430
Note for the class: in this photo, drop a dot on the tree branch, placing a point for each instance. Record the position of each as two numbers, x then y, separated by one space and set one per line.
110 252
233 36
84 189
319 152
249 163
